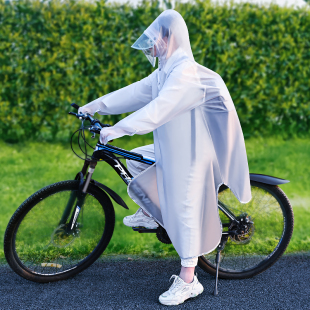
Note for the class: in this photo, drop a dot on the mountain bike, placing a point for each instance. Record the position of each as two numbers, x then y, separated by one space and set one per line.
63 228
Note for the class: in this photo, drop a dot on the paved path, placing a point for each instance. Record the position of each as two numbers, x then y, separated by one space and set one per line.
123 284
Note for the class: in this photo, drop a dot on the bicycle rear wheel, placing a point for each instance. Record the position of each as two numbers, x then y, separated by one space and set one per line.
263 242
40 249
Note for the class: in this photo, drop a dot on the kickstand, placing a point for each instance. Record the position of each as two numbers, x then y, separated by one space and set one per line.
217 261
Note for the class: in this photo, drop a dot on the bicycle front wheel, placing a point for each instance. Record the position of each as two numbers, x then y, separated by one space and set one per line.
262 241
38 244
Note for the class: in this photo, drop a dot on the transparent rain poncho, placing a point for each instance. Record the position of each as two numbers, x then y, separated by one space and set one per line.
198 140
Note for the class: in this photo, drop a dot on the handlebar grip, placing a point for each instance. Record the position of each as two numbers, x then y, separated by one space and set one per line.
74 105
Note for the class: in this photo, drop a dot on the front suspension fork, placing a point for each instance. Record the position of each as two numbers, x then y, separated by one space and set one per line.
80 195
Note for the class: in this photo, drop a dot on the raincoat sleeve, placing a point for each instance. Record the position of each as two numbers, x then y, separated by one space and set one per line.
178 95
128 99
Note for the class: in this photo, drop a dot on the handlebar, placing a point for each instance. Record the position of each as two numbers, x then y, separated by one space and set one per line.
96 125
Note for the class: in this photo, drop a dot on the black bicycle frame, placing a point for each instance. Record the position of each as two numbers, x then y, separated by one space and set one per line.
108 153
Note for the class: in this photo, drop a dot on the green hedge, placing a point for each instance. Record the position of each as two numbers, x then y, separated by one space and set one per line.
54 53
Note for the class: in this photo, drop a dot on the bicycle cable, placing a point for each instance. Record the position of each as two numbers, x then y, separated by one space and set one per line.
82 137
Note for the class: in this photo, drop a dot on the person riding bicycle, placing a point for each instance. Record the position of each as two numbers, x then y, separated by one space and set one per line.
198 146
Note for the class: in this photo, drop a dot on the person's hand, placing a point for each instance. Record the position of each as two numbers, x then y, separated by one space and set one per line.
105 135
85 110
110 133
90 108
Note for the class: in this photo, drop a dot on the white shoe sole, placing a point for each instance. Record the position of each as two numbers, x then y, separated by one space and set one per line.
142 224
177 302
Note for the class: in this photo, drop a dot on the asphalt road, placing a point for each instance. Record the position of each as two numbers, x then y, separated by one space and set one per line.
136 284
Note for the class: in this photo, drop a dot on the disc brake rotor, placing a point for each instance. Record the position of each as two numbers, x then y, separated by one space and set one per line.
245 230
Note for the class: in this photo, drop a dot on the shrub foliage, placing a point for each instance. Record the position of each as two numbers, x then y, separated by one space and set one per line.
57 52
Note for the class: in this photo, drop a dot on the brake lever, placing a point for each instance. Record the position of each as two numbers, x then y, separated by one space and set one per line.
79 116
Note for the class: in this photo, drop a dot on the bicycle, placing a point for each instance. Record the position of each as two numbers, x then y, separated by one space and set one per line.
63 228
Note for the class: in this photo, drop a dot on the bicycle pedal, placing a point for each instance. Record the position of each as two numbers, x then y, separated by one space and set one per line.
142 229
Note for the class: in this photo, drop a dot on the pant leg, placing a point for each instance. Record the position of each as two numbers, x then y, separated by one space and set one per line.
136 167
189 262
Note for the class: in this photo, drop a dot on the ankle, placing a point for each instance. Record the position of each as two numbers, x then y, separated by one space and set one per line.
187 274
145 213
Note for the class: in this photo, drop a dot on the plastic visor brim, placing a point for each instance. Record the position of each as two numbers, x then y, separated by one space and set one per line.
143 42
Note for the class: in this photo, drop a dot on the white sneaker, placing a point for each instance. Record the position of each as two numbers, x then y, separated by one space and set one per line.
179 291
140 219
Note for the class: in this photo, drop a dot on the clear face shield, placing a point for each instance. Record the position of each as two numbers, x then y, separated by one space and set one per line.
147 46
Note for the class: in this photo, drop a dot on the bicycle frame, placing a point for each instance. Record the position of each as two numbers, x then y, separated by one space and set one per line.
107 153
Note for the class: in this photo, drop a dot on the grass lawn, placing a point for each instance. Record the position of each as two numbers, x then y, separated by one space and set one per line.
25 168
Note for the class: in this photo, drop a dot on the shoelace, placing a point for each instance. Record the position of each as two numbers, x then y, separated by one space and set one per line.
141 211
175 285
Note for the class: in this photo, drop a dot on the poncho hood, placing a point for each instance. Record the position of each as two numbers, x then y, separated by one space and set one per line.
170 34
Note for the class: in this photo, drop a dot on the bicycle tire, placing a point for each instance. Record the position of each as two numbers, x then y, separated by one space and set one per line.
29 204
288 220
